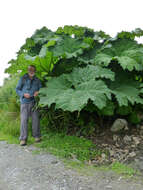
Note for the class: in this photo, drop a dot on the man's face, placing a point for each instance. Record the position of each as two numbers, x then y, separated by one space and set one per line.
31 71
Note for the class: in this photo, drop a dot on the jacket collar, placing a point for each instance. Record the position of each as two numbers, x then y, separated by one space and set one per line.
27 76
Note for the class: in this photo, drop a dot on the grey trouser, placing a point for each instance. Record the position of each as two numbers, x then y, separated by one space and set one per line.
26 111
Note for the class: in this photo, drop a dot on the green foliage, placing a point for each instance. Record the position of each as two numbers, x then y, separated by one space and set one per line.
75 30
124 110
133 118
108 110
9 125
79 65
69 146
126 89
88 56
72 91
125 52
68 47
8 97
123 169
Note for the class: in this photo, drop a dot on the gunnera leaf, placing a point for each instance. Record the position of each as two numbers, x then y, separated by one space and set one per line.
72 91
126 89
68 47
127 52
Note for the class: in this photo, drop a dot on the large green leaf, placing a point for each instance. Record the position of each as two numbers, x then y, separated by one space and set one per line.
103 59
71 91
88 73
127 53
43 62
129 63
126 90
68 47
88 56
42 35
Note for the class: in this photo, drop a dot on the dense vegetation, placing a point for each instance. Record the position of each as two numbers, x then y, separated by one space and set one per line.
88 76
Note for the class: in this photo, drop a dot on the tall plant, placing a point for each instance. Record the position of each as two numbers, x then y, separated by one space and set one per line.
79 65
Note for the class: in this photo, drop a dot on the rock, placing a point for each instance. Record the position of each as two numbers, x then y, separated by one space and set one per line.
138 164
104 145
117 145
108 187
120 178
126 128
115 137
140 116
54 162
95 162
112 153
132 154
103 156
141 132
127 139
141 158
119 124
89 162
136 140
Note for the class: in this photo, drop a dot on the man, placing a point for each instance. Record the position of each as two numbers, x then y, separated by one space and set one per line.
27 88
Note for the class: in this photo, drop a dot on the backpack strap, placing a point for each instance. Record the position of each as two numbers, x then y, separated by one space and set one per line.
24 77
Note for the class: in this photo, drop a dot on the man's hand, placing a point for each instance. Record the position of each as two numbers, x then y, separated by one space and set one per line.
36 93
26 95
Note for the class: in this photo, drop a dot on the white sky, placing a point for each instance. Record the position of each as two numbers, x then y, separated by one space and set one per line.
20 18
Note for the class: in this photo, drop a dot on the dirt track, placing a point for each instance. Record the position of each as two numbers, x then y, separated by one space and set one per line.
22 170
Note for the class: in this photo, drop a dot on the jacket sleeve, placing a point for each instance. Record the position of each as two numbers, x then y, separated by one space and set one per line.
19 88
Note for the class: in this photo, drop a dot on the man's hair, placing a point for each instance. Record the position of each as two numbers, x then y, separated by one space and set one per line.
32 66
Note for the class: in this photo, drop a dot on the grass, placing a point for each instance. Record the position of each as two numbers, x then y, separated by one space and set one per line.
9 138
12 139
70 147
10 128
59 144
73 150
8 125
121 169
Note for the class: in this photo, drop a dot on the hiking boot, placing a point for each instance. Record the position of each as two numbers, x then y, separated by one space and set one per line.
37 139
23 142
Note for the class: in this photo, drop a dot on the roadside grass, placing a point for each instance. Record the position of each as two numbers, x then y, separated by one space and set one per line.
122 170
10 128
9 138
59 144
8 125
70 147
74 151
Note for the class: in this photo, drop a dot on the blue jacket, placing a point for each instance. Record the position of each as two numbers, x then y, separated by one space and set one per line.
27 85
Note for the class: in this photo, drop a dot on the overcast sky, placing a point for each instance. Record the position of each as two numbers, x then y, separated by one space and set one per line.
20 18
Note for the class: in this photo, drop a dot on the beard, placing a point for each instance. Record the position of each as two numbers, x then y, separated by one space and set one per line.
31 74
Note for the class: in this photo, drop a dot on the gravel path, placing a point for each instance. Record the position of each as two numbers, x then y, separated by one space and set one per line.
22 170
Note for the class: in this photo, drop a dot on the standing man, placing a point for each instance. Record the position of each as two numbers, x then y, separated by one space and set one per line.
27 88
